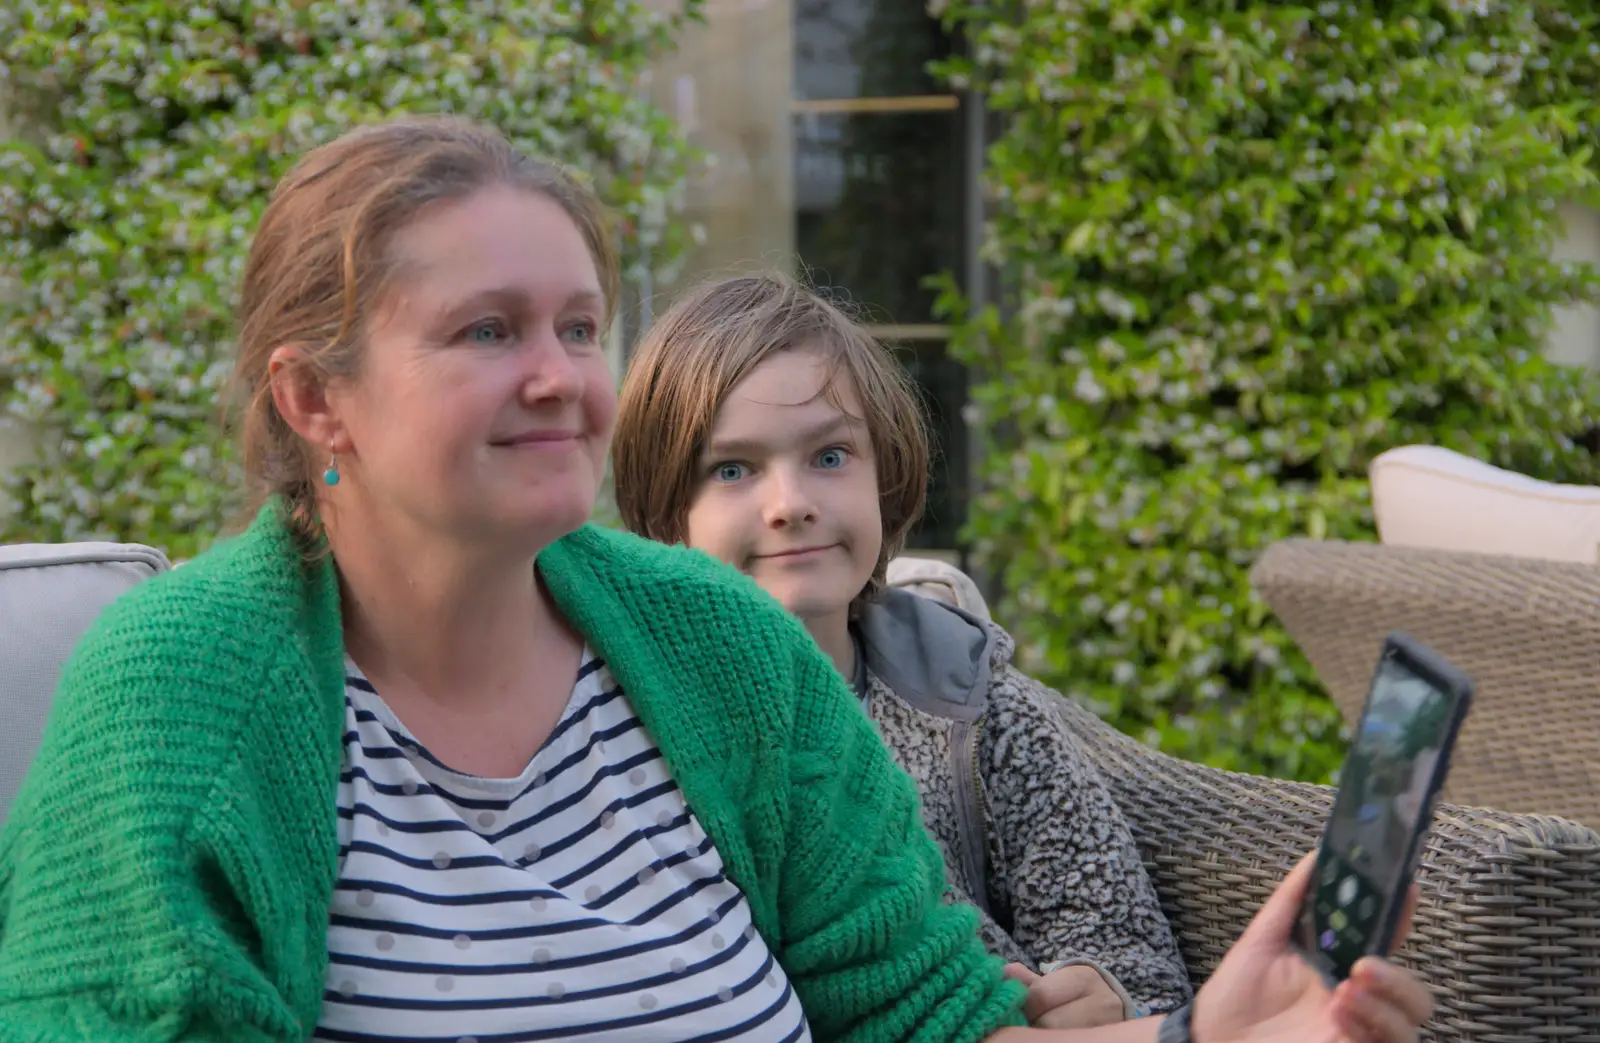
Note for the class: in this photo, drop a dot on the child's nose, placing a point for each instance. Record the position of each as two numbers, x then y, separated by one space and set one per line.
790 503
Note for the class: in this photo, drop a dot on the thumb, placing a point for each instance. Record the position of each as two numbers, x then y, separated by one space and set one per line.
1019 972
1274 923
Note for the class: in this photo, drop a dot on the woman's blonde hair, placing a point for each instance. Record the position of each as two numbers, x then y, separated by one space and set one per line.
320 266
703 347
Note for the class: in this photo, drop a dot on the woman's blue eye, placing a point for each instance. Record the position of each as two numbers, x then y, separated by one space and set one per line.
729 472
582 332
831 459
490 331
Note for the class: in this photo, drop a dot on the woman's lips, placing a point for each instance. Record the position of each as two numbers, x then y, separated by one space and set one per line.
539 440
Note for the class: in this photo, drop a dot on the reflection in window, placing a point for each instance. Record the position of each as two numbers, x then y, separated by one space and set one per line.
944 393
865 48
877 201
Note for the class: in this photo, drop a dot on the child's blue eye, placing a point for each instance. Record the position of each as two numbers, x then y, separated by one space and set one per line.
831 459
729 472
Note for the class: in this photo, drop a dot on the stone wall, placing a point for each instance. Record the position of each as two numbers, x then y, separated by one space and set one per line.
1575 339
729 85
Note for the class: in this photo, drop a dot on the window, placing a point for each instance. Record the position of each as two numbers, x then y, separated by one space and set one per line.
833 149
882 178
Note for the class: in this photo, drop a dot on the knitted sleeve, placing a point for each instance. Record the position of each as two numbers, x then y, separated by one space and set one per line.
875 953
1064 862
130 911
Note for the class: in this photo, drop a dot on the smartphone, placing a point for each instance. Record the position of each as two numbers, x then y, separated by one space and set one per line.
1391 776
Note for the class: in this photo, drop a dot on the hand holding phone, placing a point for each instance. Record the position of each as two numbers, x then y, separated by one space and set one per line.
1397 763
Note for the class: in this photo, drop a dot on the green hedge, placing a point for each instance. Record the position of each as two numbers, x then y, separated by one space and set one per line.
1252 245
149 136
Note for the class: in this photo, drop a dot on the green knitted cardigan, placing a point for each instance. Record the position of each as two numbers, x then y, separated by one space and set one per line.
167 869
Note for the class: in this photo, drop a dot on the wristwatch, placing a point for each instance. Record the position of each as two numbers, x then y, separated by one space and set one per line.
1175 1026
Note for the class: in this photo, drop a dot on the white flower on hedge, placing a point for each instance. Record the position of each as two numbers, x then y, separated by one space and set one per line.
1087 389
1115 305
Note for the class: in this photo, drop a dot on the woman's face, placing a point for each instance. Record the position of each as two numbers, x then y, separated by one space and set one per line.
484 405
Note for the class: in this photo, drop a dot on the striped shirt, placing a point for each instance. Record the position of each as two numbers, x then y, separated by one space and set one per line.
579 900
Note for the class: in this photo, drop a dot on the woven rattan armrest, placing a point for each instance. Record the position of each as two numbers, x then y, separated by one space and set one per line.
1508 932
1526 631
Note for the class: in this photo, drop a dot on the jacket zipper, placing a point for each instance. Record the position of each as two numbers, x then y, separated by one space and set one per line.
971 812
982 832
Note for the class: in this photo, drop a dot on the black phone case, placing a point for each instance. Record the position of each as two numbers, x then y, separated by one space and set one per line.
1424 662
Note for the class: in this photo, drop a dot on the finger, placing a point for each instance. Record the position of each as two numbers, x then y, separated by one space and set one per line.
1084 1014
1395 986
1407 919
1061 987
1021 972
1274 922
1067 985
1032 1006
1364 1018
1035 1006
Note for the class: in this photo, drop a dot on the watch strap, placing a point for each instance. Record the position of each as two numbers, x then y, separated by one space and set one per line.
1175 1026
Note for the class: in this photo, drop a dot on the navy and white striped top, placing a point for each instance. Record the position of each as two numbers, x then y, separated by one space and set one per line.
579 900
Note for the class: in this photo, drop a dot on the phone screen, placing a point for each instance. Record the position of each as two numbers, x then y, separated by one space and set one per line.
1378 815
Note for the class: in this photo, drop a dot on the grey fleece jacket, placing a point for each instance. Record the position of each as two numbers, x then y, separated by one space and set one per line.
1065 882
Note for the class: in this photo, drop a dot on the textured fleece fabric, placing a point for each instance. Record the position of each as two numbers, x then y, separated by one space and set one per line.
1064 877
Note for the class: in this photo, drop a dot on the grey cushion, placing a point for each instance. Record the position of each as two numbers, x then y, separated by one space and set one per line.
49 594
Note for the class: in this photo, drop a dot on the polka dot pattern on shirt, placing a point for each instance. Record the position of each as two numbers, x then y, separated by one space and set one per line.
580 899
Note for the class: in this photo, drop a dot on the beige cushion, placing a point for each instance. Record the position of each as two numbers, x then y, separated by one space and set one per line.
938 580
1425 496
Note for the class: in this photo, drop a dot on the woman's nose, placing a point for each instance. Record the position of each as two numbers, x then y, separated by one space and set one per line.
549 372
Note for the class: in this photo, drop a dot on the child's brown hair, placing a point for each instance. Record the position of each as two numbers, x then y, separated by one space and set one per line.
703 347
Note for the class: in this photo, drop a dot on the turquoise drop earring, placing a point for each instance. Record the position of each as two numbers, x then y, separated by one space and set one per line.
331 475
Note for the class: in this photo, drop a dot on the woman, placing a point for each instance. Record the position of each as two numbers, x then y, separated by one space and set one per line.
421 757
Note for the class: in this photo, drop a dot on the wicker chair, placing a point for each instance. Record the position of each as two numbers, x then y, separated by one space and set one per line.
1508 932
1526 631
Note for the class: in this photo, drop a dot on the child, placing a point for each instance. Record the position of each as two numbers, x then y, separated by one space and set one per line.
761 424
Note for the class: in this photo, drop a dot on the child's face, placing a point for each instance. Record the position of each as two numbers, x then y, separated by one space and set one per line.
789 490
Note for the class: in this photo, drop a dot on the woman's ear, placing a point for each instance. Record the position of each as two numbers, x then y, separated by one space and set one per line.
301 394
